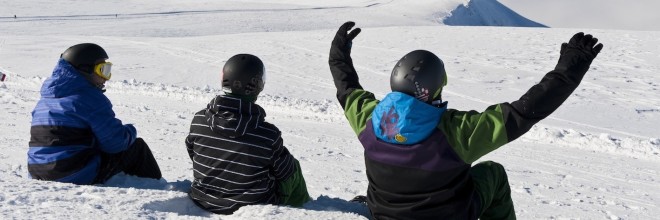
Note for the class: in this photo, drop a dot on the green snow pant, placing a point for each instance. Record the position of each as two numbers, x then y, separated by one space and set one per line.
293 190
492 185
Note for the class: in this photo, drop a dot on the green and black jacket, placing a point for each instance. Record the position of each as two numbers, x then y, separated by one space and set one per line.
418 155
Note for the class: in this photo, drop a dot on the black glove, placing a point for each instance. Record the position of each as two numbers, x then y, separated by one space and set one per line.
577 54
341 64
341 45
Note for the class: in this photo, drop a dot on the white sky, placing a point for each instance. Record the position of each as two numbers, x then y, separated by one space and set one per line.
598 14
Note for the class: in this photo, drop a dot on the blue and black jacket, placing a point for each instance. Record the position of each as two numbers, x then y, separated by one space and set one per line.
72 125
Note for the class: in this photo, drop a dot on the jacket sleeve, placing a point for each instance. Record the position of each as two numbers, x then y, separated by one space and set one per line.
189 146
540 101
343 72
282 162
356 102
555 87
359 106
474 134
111 135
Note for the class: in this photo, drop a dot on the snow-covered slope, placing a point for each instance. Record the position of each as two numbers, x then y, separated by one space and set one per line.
487 13
596 157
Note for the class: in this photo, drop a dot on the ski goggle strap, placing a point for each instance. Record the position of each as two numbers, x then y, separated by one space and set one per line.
103 70
437 93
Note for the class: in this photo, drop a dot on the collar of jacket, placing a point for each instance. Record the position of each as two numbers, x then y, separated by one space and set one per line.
66 80
233 116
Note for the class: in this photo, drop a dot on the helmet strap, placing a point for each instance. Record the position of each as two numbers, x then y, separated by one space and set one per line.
437 95
88 76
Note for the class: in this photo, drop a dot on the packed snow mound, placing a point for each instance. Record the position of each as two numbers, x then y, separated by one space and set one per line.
487 13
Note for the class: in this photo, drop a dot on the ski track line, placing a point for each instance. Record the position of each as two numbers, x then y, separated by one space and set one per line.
214 60
622 94
324 54
299 74
401 52
162 14
172 50
586 178
591 165
599 128
577 158
324 84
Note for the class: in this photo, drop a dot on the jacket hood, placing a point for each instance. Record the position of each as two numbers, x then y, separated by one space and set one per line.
402 119
64 81
233 117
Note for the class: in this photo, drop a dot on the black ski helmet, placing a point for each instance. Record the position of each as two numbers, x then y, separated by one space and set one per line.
243 75
84 56
420 74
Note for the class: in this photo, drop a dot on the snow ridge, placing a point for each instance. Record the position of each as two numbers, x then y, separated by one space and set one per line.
322 110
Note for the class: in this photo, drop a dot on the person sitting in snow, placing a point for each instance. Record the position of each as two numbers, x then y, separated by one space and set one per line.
238 158
75 136
418 153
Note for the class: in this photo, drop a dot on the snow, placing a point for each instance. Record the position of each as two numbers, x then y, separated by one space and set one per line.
596 157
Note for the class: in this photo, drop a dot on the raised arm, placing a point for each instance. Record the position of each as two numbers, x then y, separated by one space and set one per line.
357 103
555 87
341 65
474 134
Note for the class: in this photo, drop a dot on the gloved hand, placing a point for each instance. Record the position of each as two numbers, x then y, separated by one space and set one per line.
341 45
341 65
578 53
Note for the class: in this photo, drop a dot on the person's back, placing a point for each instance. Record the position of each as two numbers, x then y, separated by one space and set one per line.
75 136
418 153
234 152
412 169
238 158
63 95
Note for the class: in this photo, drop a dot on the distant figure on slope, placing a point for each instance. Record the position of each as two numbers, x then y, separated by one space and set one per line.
238 158
418 153
75 137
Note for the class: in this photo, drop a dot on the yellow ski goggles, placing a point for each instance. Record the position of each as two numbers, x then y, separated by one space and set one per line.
103 70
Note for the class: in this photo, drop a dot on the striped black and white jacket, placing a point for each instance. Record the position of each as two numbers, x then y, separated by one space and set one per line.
238 158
